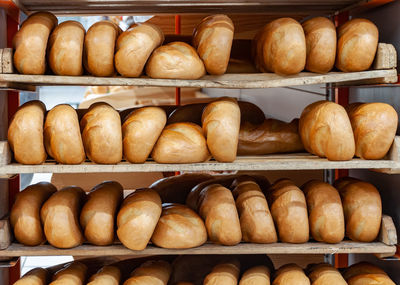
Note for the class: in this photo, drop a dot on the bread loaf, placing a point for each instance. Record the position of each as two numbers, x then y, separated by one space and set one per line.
179 227
290 274
289 211
255 218
320 35
258 275
281 47
272 136
72 274
362 211
138 218
374 127
325 212
27 126
60 217
221 124
325 130
176 188
176 60
99 212
324 274
150 273
357 44
140 132
218 209
99 48
108 275
62 136
30 43
340 183
181 143
102 134
213 38
37 276
25 213
224 273
134 47
66 48
365 273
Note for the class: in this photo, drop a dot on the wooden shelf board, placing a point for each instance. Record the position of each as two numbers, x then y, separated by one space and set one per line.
16 249
268 162
232 81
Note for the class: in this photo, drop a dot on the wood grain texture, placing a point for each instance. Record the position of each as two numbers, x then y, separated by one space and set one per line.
5 233
7 61
386 57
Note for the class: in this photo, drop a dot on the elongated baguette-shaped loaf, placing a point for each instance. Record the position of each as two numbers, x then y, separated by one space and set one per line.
37 276
60 217
151 273
99 212
99 48
102 134
30 43
27 126
72 274
138 218
221 125
140 132
108 275
62 136
66 48
25 213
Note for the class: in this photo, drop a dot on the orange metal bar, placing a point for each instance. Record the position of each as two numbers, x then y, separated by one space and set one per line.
11 9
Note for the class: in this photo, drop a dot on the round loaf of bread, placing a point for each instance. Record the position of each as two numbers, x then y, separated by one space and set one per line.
73 273
320 35
258 275
181 143
362 207
374 127
30 43
290 274
256 221
102 134
325 130
140 132
99 48
221 125
325 212
176 60
357 45
108 275
289 211
134 47
27 126
138 218
62 136
99 212
324 273
282 47
151 273
66 48
213 38
179 227
224 273
217 207
25 213
37 276
60 217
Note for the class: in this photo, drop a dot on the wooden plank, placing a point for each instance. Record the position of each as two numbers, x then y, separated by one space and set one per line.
243 81
5 233
1 61
387 234
386 57
5 153
209 248
393 155
7 61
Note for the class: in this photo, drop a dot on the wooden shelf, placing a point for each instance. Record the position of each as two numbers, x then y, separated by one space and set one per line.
231 81
16 249
183 6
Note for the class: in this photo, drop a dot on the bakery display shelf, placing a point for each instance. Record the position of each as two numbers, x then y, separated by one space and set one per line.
383 72
183 6
293 161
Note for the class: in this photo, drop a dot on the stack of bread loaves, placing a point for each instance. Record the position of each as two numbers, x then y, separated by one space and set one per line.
203 270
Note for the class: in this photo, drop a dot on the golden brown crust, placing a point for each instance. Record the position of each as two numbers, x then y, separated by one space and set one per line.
213 38
108 275
27 126
138 218
224 273
73 273
37 276
290 274
324 273
365 273
357 44
151 273
258 275
66 48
